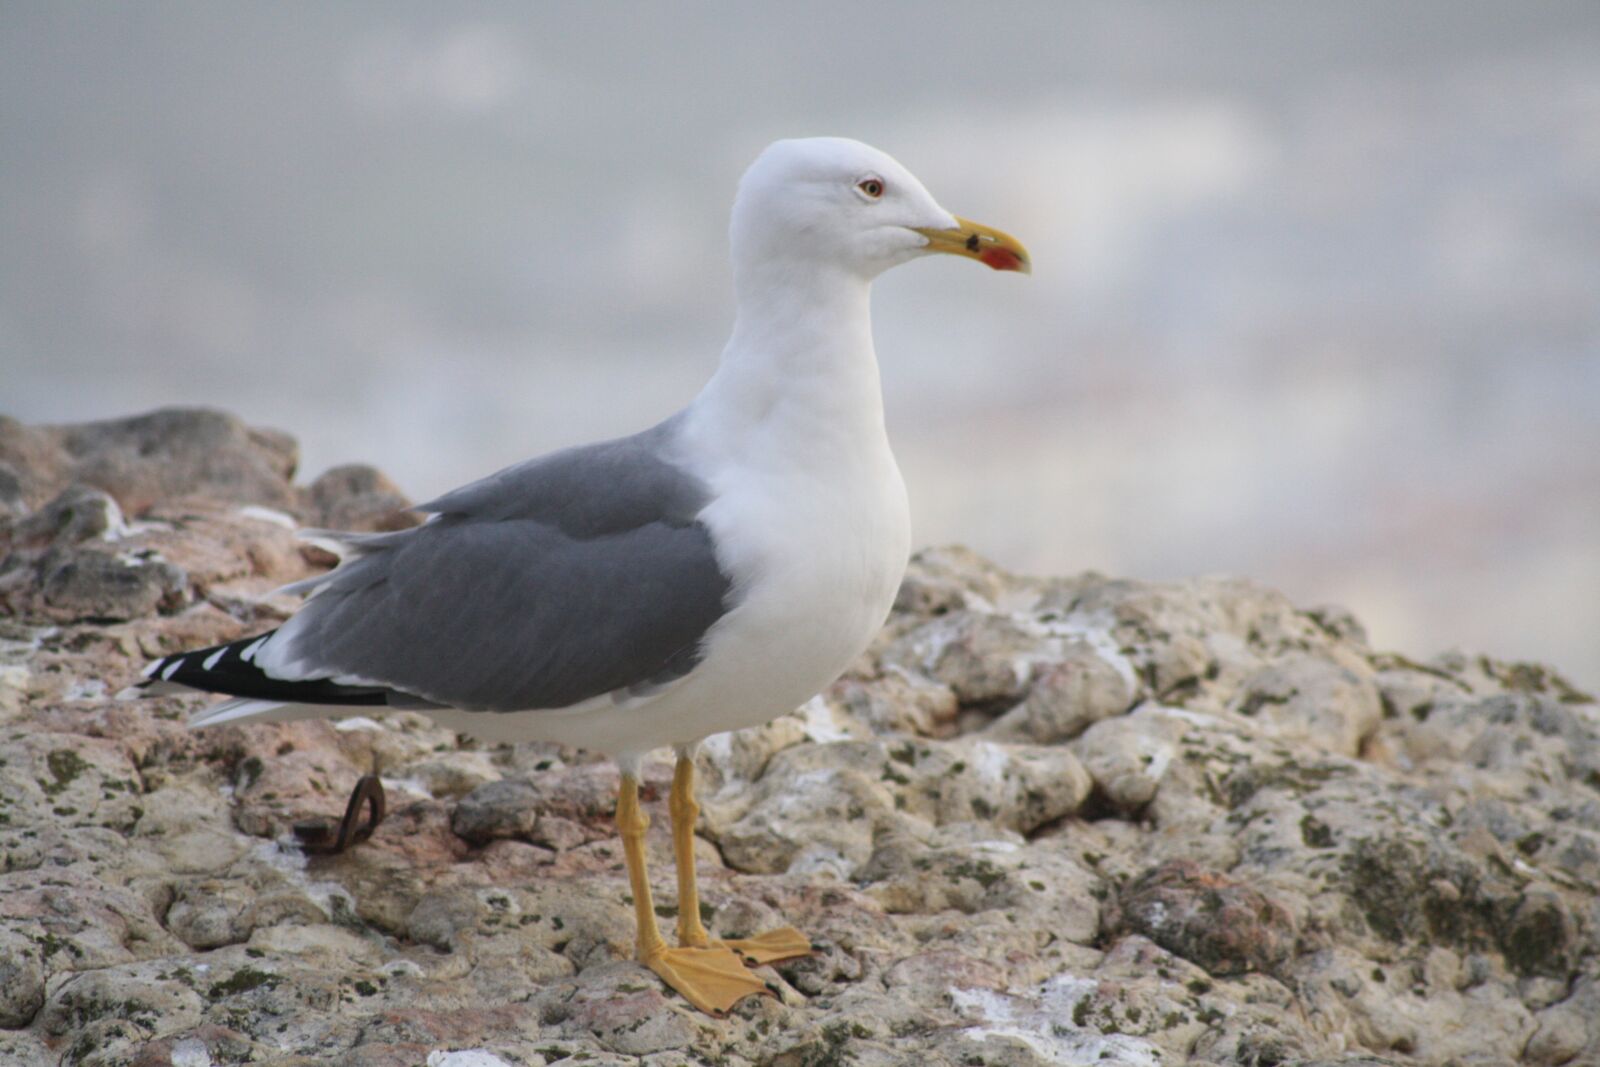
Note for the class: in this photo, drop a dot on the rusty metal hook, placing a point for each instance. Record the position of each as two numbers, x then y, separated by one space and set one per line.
321 837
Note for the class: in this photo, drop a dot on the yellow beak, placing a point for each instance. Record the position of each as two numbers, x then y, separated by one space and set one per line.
976 241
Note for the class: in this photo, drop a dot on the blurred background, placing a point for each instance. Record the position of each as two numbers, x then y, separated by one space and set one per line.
1317 290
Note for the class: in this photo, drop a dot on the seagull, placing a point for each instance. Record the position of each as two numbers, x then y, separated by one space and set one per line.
707 574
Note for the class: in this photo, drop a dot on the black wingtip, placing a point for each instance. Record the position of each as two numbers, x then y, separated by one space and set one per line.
231 669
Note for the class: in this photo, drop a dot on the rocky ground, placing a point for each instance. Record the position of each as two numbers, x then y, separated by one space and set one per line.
1042 821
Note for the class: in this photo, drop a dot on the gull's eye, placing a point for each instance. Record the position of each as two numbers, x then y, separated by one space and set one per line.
871 188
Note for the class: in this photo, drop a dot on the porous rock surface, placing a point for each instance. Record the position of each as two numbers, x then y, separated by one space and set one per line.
1041 821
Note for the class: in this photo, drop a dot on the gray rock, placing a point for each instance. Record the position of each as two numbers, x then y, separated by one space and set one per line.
78 513
1018 787
356 497
1307 698
898 703
626 1019
816 806
1067 696
447 775
1128 757
441 917
213 913
1569 1031
119 1003
950 578
166 454
977 654
1224 926
506 808
1339 621
100 585
23 1047
21 980
12 503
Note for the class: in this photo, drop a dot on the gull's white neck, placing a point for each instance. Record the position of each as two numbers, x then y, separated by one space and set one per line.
799 371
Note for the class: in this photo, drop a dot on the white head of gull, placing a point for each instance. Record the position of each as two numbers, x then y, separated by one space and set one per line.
709 573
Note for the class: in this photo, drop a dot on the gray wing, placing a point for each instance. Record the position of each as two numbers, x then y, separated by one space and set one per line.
581 573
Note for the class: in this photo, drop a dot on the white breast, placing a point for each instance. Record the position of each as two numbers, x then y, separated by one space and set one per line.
816 563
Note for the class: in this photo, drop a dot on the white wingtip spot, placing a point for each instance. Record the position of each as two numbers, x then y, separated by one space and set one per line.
172 668
250 650
151 668
211 660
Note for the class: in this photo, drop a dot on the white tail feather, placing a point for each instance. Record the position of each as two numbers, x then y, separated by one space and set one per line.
251 709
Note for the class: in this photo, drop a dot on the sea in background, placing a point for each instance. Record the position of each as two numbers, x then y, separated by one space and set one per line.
1316 295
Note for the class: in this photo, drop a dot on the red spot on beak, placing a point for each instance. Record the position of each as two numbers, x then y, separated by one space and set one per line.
1000 258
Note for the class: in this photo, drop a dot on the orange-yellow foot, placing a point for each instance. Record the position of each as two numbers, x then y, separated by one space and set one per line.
784 943
712 979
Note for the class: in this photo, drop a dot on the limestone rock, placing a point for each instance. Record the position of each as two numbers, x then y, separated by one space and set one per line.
77 514
448 775
212 913
507 808
1205 917
1067 696
118 1006
1128 757
166 454
1041 820
977 654
21 980
1314 699
12 504
100 585
356 497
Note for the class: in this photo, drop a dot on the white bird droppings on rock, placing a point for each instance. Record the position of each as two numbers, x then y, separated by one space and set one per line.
190 1052
1039 1020
820 724
472 1057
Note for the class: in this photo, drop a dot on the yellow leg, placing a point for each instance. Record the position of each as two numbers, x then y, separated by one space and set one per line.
691 931
782 944
711 978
